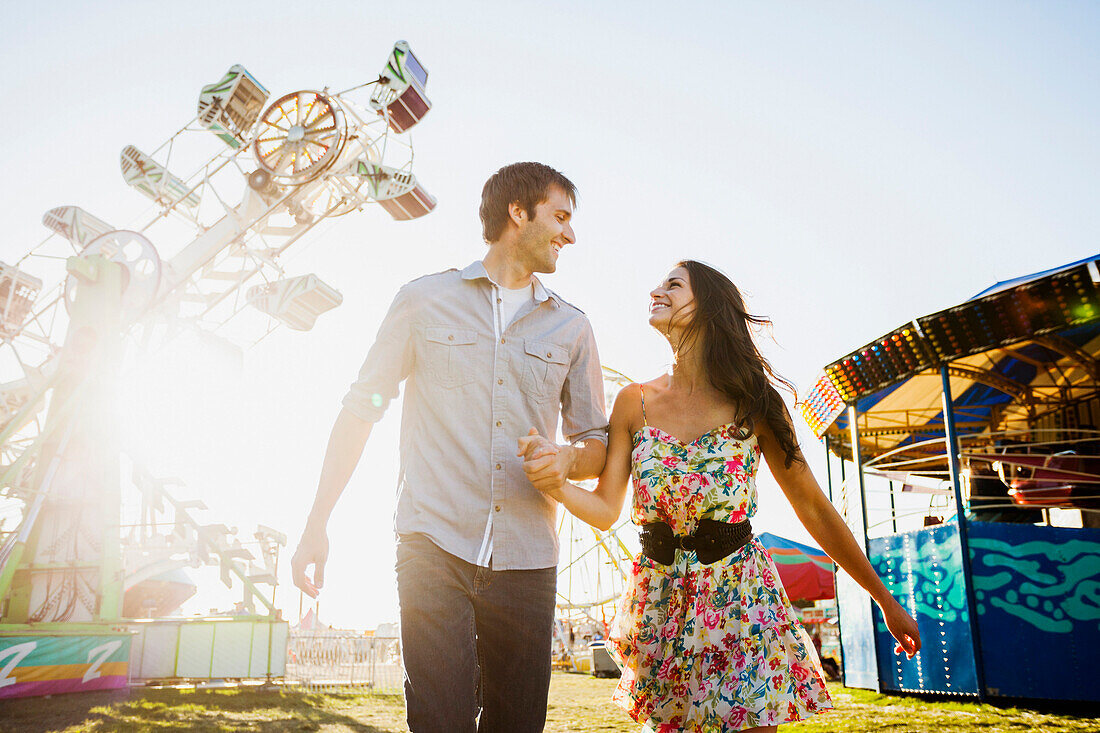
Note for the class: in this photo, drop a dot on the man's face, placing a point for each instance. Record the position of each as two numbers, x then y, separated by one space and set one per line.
542 236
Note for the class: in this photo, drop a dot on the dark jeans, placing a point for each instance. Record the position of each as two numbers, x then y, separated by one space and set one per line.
470 632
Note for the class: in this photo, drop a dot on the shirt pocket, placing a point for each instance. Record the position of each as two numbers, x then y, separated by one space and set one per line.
449 354
545 368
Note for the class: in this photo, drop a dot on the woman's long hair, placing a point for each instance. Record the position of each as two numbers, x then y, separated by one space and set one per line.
720 326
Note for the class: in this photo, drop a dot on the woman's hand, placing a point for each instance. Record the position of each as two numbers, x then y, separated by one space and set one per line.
902 627
546 464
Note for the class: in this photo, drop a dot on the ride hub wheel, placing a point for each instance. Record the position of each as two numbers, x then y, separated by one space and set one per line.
299 136
341 194
138 255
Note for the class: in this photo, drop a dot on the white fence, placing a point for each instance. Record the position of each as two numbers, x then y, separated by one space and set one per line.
327 661
232 647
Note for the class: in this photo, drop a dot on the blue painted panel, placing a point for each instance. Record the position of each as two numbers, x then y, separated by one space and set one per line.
1038 602
922 569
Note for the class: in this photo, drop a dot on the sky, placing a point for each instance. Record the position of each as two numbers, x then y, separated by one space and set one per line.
850 165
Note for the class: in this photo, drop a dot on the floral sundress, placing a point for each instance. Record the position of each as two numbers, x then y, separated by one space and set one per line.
708 648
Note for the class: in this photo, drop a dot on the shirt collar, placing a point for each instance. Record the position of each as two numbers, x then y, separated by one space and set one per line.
476 271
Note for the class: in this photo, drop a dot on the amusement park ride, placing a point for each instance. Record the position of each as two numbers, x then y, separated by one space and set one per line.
73 578
592 568
988 411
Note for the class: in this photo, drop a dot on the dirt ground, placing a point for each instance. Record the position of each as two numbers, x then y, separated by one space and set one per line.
578 704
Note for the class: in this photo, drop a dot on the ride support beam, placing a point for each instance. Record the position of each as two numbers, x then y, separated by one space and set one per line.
857 459
953 453
1071 351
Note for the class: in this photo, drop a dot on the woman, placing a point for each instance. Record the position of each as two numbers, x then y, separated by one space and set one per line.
705 634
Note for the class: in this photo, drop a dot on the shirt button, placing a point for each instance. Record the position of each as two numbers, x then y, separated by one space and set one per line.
500 381
451 337
498 300
498 466
499 423
502 341
496 508
548 355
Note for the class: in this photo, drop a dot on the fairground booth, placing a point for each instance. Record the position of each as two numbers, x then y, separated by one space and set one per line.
963 452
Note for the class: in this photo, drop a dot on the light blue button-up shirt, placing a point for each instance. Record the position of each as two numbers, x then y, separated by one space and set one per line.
469 396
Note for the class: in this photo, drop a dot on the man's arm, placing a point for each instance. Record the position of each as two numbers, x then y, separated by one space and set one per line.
825 525
388 362
584 423
345 447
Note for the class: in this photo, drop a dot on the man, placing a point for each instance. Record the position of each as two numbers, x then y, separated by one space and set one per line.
490 357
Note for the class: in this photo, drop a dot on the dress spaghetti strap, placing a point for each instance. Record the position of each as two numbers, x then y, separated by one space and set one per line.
645 423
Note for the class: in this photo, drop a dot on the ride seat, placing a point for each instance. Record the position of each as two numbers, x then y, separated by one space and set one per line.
296 301
229 107
400 96
18 291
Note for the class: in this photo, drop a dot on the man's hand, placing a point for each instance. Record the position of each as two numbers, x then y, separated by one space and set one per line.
546 464
312 550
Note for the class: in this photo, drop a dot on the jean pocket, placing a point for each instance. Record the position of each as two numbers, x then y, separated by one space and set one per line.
449 353
545 368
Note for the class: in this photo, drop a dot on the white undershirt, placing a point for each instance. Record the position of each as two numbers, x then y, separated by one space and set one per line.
506 304
510 303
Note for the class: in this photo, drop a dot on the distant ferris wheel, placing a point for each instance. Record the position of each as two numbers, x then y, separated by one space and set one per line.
593 565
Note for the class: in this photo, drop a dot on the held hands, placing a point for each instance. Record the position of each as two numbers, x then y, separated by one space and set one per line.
546 464
312 550
902 627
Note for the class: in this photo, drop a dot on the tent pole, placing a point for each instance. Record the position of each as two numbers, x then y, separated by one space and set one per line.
953 451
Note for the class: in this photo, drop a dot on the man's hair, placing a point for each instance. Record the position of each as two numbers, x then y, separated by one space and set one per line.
527 183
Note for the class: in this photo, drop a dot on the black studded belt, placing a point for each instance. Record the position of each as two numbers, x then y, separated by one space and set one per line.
712 541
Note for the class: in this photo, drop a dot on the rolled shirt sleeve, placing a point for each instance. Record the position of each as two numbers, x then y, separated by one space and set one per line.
582 399
388 362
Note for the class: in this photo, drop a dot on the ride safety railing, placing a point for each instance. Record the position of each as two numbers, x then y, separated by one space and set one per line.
334 661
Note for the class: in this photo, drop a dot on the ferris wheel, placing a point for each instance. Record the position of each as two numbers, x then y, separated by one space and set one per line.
208 253
593 566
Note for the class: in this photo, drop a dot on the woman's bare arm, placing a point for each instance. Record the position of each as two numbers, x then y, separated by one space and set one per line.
825 525
602 506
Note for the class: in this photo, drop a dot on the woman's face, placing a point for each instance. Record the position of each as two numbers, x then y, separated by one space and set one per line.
671 304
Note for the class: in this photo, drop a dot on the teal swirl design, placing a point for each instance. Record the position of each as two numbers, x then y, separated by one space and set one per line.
924 572
1049 585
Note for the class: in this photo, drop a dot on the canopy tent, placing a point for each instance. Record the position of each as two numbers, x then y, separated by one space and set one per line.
309 622
806 572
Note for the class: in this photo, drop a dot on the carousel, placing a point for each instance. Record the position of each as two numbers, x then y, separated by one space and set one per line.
963 452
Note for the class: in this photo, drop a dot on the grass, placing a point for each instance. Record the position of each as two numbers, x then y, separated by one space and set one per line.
578 704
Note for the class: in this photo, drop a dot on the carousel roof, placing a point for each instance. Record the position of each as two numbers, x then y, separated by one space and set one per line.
1016 352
